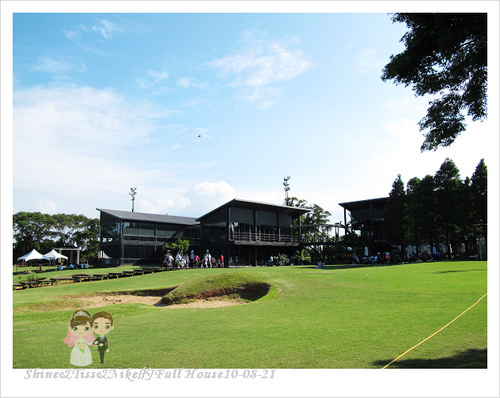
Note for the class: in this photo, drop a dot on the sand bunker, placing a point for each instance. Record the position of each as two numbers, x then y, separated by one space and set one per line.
110 299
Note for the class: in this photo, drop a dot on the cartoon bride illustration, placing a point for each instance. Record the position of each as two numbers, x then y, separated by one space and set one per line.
79 337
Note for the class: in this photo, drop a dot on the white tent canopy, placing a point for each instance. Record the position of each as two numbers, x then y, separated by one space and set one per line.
33 255
103 255
55 255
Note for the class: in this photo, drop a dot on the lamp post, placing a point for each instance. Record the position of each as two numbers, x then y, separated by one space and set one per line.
133 192
287 188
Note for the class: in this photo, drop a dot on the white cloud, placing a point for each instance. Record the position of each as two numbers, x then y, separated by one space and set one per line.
263 65
405 131
158 75
106 28
180 200
152 78
76 33
260 65
54 118
264 97
407 103
368 61
219 190
401 152
47 206
76 147
190 82
69 142
174 207
61 66
185 82
103 28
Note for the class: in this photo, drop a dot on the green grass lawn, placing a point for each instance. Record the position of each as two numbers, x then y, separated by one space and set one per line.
333 318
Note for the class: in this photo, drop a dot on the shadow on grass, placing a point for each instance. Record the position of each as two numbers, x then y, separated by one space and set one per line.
461 270
348 266
468 359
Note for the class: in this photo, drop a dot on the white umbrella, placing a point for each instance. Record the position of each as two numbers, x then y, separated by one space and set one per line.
55 255
33 255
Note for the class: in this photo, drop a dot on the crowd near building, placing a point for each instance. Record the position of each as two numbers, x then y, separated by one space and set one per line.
241 232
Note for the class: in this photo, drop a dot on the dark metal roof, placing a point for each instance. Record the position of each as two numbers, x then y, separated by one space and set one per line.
362 204
294 211
148 217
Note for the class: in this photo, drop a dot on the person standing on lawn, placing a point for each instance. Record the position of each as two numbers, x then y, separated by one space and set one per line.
102 324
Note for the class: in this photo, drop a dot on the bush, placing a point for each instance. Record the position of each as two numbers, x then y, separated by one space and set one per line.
238 286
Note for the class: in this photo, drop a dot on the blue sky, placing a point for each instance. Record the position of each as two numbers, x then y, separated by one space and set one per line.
106 102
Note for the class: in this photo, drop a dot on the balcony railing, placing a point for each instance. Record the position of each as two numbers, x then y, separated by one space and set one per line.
265 238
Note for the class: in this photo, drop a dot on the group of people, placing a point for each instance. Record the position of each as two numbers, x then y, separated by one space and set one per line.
413 257
182 260
379 258
60 267
278 260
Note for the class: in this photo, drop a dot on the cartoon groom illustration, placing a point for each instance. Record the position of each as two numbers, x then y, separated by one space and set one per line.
102 324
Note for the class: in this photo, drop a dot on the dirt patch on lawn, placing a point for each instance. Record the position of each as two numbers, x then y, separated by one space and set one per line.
110 299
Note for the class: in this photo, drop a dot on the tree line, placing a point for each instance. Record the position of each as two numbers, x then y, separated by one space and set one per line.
441 208
44 232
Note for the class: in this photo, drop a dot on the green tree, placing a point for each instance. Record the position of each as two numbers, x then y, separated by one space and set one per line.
479 191
441 208
414 212
466 223
87 238
180 245
445 56
448 186
396 213
313 225
31 231
422 213
44 232
479 186
427 202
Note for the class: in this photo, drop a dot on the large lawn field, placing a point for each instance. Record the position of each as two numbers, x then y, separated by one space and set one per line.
340 317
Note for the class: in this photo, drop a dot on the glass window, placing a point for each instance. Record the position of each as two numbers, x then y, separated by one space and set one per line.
131 228
241 215
267 218
285 220
148 229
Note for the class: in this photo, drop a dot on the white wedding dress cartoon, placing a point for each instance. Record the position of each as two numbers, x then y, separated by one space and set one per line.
81 355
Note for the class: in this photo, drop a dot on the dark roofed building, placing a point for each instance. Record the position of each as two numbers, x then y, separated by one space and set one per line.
132 238
244 232
249 232
367 216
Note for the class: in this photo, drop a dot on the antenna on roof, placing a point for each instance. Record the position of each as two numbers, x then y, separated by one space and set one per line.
133 192
287 188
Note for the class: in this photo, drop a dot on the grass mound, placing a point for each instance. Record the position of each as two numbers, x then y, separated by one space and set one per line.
53 305
232 286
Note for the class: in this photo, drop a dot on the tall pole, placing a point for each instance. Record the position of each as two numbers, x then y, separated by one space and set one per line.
287 188
133 192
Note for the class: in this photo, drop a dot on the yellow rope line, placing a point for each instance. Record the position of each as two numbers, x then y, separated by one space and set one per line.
432 335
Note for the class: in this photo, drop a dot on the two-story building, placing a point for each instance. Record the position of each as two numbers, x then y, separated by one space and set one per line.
244 232
367 217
